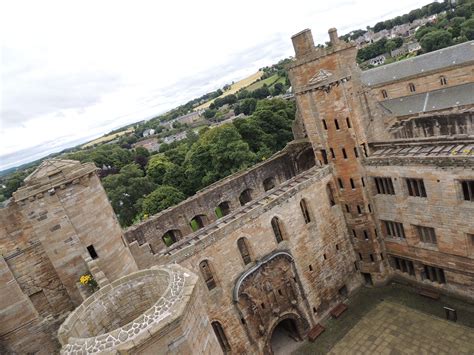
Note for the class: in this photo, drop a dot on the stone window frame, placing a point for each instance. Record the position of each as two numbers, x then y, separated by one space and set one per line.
305 211
244 250
393 229
426 235
384 93
416 187
411 87
403 265
443 81
466 189
383 185
221 336
277 228
208 275
433 274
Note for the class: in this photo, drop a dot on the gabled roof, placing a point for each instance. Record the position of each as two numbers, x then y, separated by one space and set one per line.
50 167
444 58
454 96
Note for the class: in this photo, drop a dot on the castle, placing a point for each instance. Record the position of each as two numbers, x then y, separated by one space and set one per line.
377 185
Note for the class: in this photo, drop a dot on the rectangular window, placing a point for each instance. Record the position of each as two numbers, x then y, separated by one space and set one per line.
348 122
403 265
325 156
384 185
341 184
92 252
332 153
336 124
394 229
352 183
344 154
324 124
468 190
434 274
426 234
356 152
416 187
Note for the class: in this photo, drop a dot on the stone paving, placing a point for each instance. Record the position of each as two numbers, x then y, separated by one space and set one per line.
394 329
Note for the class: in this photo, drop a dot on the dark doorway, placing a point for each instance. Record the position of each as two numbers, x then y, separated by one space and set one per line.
284 337
367 279
245 197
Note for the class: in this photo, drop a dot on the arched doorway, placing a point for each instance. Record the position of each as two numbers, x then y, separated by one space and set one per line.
285 337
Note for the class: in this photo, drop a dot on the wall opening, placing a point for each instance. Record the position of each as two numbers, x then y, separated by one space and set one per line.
245 197
268 183
92 252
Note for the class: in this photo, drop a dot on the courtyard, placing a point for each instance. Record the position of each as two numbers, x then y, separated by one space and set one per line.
395 320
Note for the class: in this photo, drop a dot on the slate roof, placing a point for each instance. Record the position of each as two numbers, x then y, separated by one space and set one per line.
443 58
453 96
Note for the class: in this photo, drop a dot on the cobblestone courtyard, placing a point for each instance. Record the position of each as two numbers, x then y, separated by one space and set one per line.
395 329
395 319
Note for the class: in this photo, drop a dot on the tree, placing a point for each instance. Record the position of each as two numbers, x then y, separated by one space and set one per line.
467 29
278 89
246 106
436 40
161 198
219 152
210 113
157 167
125 191
422 31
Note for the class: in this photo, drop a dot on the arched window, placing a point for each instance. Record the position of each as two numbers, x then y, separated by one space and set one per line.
268 183
304 210
244 250
411 86
277 229
384 93
245 197
219 331
443 80
197 222
207 274
171 237
330 193
223 209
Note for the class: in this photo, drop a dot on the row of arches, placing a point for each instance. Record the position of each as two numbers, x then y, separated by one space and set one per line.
224 208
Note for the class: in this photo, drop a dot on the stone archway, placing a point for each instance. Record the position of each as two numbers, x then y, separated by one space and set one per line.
285 334
267 294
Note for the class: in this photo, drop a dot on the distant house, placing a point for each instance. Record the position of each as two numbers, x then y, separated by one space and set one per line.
399 51
377 60
150 144
148 132
174 138
190 118
413 47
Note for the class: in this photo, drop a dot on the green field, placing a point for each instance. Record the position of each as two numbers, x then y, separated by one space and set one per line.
270 81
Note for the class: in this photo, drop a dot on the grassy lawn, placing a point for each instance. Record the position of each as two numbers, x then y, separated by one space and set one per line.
234 88
367 298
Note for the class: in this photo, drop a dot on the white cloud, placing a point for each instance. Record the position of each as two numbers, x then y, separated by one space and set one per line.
71 72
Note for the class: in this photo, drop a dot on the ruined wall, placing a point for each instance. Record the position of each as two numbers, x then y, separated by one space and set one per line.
279 168
443 209
456 75
323 255
437 125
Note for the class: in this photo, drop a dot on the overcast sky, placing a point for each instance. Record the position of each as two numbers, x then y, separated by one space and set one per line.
72 71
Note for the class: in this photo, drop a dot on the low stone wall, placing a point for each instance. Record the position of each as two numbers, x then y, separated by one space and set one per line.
141 312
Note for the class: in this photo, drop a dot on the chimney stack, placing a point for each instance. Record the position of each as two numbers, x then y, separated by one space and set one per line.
303 42
333 38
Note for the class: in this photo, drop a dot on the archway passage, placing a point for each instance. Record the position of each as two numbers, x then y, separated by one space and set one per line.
285 337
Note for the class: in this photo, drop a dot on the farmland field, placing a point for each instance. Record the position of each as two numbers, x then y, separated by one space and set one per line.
107 138
234 88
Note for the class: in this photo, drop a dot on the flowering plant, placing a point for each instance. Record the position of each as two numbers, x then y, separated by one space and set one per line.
88 280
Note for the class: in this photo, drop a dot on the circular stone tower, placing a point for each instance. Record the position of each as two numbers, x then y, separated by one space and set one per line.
156 311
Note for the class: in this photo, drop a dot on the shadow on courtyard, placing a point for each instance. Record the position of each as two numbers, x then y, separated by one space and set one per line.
367 299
